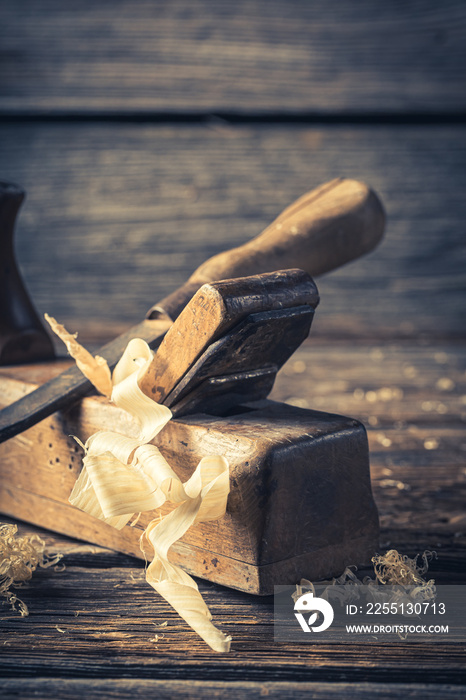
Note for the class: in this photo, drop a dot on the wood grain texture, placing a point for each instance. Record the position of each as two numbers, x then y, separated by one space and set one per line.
205 56
95 627
107 623
108 689
117 216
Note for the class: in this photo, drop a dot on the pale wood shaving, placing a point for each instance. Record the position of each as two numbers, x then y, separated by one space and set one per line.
94 368
124 476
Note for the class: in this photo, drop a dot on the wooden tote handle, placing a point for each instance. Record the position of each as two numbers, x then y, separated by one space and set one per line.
322 230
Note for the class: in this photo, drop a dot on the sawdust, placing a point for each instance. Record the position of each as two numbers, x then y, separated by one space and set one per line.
19 558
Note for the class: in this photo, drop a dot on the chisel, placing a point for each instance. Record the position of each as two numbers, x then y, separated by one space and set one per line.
324 229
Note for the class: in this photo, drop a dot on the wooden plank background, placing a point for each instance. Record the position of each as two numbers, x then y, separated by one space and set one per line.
151 135
249 56
119 213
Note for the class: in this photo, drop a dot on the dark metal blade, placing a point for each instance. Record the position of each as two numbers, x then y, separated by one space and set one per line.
71 385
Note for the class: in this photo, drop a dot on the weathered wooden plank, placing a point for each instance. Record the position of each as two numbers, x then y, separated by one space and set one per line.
106 623
72 609
245 56
418 389
438 666
110 688
140 637
118 216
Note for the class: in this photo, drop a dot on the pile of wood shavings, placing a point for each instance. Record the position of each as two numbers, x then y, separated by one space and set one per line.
19 558
391 569
394 569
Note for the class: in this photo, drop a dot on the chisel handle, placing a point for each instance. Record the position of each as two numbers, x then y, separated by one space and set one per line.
322 230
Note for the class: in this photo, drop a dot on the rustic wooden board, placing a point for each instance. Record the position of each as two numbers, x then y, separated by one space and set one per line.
44 688
204 56
117 216
107 623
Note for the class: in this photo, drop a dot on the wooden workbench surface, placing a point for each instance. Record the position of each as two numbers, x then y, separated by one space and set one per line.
96 628
150 136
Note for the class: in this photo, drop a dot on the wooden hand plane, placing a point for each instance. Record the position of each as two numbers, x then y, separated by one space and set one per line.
300 503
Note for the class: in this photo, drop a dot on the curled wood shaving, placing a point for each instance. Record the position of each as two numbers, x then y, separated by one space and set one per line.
124 476
394 568
94 368
205 500
19 558
404 576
